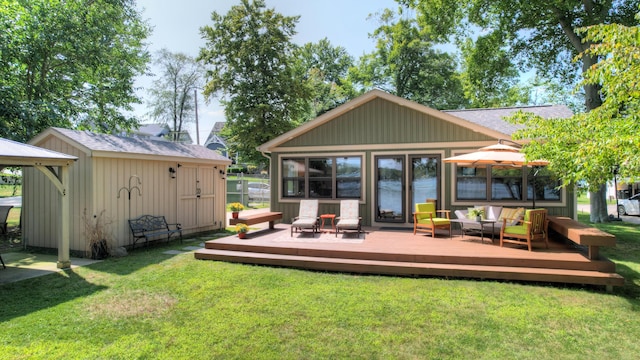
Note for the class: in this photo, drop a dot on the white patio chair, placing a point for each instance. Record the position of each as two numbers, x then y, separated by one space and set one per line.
349 219
307 217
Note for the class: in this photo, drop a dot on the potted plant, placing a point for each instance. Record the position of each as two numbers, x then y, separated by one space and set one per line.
235 207
242 230
477 213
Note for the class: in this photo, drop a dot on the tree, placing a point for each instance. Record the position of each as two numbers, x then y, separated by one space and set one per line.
405 64
608 135
69 64
173 93
250 62
327 69
489 78
539 35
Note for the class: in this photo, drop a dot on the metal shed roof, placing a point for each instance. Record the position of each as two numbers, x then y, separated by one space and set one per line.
104 145
13 153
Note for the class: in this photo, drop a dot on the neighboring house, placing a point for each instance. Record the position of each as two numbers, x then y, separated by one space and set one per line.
215 141
123 178
387 152
161 132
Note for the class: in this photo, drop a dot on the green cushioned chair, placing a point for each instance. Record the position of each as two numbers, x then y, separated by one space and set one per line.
426 219
534 227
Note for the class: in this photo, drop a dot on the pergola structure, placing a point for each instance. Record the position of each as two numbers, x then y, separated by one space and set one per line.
17 154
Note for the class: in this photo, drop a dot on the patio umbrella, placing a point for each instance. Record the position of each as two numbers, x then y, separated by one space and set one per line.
498 154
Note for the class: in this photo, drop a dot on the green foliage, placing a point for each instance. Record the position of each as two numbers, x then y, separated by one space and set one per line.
589 145
327 69
406 64
249 55
173 93
68 64
489 77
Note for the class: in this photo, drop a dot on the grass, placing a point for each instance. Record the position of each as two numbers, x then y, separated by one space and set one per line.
10 190
152 305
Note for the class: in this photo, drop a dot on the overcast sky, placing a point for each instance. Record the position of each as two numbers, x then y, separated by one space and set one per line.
176 27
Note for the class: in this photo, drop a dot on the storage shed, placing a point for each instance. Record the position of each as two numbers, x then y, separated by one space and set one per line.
117 178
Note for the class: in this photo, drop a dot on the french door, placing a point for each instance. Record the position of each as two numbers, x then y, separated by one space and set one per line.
401 181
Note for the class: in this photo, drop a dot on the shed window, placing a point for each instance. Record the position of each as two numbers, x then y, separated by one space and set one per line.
322 177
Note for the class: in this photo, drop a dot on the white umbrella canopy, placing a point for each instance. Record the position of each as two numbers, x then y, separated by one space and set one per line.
498 154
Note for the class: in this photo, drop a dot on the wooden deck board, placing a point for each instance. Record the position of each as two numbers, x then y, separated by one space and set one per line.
399 252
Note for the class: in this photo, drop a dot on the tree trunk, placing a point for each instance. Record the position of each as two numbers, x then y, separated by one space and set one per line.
598 202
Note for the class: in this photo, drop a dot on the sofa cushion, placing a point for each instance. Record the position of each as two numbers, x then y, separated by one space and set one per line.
493 212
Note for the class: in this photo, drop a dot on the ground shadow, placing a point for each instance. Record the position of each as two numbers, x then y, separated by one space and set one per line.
30 295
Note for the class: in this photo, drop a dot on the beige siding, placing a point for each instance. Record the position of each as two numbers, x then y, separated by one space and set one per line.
103 185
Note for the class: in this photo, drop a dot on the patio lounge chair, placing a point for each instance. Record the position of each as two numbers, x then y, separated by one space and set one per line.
532 228
425 219
307 217
349 219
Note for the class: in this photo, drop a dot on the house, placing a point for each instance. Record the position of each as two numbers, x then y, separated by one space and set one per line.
161 132
388 153
215 141
121 178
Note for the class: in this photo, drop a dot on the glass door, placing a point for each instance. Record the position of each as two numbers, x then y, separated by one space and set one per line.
389 189
424 179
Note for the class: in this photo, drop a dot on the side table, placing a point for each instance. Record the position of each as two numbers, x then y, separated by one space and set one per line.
324 217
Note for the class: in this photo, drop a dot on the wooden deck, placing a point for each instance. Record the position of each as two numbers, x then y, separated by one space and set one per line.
399 252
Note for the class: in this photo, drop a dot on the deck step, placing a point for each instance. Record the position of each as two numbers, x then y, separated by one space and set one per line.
407 268
594 265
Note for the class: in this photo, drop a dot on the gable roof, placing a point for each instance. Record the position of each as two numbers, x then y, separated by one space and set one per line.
486 121
13 153
493 118
104 145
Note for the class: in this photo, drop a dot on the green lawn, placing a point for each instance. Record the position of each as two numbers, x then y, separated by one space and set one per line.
149 305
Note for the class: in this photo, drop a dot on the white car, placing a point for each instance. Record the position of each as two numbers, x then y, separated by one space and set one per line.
259 191
629 206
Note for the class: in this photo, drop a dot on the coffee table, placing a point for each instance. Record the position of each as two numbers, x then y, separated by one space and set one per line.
467 225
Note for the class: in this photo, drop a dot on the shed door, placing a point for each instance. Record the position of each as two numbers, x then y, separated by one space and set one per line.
196 196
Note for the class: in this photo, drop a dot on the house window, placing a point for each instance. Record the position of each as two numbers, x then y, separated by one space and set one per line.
471 183
506 183
500 183
547 185
324 177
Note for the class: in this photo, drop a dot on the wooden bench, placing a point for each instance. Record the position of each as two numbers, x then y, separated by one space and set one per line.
582 234
149 226
257 219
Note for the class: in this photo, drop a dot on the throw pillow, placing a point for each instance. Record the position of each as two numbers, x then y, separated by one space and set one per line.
510 214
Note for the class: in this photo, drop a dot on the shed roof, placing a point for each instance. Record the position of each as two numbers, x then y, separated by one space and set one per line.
104 145
13 153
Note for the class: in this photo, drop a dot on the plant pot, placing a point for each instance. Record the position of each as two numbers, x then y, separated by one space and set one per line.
99 250
234 214
242 235
478 218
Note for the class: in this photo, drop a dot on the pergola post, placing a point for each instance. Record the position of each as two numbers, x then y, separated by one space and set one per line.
63 247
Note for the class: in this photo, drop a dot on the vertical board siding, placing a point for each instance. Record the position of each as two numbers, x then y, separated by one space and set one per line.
383 122
94 184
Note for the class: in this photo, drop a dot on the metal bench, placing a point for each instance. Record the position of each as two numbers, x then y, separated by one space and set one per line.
149 226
